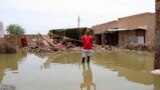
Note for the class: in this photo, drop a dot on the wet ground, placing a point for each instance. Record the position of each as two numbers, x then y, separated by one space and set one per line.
121 70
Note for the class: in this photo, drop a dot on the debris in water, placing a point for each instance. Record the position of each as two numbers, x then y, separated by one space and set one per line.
156 72
7 87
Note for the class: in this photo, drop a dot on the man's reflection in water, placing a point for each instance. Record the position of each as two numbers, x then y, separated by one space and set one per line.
46 65
87 77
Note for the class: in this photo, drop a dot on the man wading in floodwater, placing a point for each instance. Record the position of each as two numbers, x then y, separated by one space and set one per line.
87 41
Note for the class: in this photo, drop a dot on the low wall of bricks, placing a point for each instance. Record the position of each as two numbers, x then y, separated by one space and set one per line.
9 44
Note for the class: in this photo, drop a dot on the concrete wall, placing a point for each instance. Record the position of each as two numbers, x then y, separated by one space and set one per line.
134 21
150 33
31 39
8 45
127 37
1 30
141 21
104 27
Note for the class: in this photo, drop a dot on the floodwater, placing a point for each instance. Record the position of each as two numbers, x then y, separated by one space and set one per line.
120 70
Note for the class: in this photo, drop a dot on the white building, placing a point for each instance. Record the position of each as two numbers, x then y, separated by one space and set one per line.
1 30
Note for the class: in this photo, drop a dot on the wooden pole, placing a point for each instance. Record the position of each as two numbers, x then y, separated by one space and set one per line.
157 36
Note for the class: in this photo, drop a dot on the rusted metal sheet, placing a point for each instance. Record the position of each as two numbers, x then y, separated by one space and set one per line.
73 33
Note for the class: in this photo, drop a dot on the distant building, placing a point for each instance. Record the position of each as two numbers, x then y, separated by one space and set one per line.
135 29
1 30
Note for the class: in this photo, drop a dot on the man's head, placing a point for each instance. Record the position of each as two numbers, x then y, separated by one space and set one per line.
89 32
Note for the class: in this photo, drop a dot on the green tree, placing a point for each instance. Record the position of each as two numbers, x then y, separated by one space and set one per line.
15 29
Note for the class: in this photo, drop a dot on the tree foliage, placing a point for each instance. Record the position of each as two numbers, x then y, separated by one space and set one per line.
15 29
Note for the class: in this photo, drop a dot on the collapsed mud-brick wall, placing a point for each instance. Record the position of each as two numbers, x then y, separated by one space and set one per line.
9 44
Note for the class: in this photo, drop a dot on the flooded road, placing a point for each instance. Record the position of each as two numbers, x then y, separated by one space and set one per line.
121 70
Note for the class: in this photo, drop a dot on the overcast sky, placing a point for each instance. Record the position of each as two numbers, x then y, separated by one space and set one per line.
42 15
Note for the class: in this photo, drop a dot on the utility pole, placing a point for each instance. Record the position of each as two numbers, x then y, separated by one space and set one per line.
78 21
157 38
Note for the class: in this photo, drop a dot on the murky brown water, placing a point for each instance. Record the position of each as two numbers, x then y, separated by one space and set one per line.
107 71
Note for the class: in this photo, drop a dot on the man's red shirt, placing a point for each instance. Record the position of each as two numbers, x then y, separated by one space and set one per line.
87 41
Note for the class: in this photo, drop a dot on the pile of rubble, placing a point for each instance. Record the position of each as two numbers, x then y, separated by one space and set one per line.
138 47
135 47
45 44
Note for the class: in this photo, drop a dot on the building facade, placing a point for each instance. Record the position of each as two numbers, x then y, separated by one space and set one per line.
135 29
140 29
